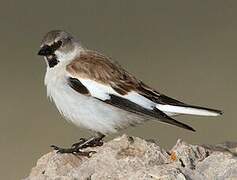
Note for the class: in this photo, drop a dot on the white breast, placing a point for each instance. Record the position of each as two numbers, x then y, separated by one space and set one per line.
82 110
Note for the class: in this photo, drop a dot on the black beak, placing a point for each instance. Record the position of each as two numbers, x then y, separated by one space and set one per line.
45 51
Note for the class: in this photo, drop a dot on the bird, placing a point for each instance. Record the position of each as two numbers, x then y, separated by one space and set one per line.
94 92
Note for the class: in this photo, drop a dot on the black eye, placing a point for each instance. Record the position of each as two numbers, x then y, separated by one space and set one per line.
56 45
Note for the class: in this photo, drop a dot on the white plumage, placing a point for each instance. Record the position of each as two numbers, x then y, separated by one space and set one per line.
84 111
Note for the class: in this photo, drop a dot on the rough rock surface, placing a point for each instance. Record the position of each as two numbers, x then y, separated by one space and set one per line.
134 158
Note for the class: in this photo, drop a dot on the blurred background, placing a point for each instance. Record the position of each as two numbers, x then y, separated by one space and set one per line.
185 49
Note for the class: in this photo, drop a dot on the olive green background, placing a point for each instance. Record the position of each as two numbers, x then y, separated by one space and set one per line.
186 49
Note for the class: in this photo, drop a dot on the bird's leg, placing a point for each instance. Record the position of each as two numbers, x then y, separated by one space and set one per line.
82 144
82 140
91 142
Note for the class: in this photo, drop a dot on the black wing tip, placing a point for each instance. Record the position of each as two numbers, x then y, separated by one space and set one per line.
169 120
184 126
189 128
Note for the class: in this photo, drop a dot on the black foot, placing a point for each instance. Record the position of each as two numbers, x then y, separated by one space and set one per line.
74 151
82 144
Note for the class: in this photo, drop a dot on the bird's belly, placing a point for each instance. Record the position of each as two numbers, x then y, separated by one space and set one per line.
88 112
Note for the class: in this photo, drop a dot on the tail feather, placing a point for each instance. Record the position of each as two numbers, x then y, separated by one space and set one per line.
186 109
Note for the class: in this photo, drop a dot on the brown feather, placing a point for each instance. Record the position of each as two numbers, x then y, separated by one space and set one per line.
98 67
95 66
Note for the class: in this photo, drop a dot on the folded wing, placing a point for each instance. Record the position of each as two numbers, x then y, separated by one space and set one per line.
108 82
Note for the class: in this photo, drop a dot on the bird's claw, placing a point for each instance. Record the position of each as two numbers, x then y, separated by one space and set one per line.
75 151
82 144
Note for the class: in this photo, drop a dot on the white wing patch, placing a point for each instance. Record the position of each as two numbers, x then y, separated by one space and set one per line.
103 91
96 89
139 99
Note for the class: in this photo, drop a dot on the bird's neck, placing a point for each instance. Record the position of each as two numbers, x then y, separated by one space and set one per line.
69 56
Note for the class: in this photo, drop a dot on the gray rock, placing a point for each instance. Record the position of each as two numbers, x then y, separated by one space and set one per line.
134 158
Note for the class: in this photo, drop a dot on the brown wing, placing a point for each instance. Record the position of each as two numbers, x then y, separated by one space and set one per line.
96 66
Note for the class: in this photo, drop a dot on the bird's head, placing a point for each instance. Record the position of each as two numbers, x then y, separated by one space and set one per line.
58 46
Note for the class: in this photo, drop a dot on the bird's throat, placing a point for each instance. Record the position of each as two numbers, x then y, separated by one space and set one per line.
52 61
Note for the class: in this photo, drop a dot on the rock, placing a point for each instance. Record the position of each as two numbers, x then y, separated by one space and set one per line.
134 158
